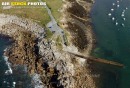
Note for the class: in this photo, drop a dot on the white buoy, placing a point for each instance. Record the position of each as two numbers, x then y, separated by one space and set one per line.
109 14
112 9
113 18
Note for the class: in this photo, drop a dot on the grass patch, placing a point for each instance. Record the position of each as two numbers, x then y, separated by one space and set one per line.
67 36
59 43
54 6
49 34
39 15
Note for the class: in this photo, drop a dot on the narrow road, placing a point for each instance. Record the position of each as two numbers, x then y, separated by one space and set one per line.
53 26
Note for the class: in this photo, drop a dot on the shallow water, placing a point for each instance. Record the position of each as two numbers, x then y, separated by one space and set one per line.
113 40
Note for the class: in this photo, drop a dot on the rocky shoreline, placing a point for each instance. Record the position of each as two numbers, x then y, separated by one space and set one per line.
81 36
54 68
32 50
79 25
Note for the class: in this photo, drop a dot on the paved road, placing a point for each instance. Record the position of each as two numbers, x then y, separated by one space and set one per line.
53 26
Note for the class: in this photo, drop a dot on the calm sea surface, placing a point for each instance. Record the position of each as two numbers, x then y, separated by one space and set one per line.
111 19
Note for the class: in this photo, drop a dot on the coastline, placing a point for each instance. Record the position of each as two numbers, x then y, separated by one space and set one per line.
34 51
84 23
57 62
87 26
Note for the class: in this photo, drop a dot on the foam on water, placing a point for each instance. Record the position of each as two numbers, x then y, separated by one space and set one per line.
37 81
9 71
14 83
9 81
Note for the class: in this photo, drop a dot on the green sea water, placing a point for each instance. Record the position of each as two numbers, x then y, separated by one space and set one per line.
113 40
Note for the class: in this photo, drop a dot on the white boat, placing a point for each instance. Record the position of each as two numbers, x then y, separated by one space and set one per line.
122 15
113 18
109 14
118 5
112 9
123 25
113 4
116 23
124 10
124 19
117 1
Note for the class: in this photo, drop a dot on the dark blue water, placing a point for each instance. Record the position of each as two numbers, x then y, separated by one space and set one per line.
19 78
113 41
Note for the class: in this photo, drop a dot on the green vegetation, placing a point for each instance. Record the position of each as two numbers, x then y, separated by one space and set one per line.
59 43
67 35
39 15
49 34
54 6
